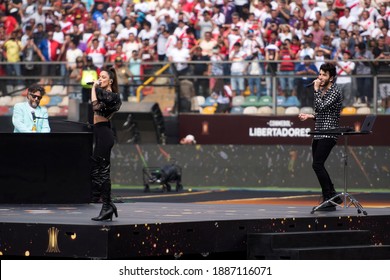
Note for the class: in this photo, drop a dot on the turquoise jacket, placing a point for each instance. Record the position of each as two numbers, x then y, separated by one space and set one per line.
22 118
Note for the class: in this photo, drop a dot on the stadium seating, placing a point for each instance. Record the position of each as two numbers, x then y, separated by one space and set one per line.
292 101
293 110
250 110
265 101
348 111
264 111
197 102
363 111
280 111
210 101
251 101
236 110
238 100
209 110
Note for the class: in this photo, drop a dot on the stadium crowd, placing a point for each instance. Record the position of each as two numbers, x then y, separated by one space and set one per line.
297 34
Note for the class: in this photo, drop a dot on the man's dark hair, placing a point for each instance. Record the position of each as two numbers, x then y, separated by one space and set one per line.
35 88
330 68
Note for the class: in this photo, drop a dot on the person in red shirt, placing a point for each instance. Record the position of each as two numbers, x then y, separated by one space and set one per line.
10 24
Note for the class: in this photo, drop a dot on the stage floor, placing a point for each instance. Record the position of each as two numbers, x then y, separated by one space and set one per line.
155 225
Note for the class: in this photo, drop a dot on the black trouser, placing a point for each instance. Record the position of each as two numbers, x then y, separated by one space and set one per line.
321 149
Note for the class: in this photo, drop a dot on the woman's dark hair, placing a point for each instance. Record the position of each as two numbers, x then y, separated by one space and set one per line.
112 74
330 68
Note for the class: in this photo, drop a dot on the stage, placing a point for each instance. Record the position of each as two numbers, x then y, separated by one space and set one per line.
192 229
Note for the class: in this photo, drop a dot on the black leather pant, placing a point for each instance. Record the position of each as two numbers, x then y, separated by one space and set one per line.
100 173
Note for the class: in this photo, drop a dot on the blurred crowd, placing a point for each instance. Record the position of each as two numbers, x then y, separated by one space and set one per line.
199 37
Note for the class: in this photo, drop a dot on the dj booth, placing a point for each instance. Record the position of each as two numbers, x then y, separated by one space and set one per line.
45 167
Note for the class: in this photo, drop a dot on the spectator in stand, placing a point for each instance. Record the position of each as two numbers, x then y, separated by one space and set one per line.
12 49
228 9
147 55
346 21
283 12
344 69
31 53
52 52
372 9
168 21
201 85
151 17
204 25
118 23
124 77
129 28
147 33
118 53
364 84
74 88
271 53
97 53
295 45
306 51
216 67
111 44
135 69
252 43
318 33
223 95
180 57
130 45
332 31
343 37
306 70
286 68
72 54
242 8
237 69
105 23
319 58
89 74
162 39
218 18
326 47
381 53
256 70
234 37
58 35
39 34
207 44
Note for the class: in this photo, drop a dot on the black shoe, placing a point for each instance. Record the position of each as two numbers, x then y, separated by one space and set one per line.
328 206
338 200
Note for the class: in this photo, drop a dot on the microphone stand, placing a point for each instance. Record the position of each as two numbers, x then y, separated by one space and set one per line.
344 195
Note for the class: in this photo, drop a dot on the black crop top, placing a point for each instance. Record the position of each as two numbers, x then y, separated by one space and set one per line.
107 103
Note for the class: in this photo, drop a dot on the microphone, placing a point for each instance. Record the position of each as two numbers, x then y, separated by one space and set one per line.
309 85
91 83
33 115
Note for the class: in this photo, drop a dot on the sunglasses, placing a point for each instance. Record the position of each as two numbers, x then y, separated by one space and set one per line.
35 96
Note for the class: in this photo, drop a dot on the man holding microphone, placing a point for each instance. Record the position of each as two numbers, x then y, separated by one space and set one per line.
327 107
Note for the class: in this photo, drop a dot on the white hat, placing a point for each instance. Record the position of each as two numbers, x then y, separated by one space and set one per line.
272 47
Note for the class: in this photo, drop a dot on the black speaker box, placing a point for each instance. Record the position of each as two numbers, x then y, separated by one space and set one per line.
139 123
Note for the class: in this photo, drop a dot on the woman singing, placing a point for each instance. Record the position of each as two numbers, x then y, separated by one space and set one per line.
105 102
